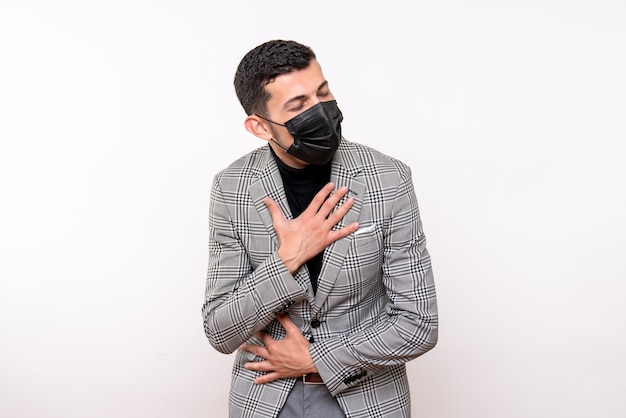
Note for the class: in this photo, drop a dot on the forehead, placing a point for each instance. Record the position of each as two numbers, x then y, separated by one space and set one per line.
305 82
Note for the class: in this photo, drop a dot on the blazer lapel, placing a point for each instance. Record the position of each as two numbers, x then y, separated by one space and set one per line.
346 166
270 184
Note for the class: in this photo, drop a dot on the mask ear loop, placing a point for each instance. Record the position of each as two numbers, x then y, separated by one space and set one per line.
269 120
279 144
272 139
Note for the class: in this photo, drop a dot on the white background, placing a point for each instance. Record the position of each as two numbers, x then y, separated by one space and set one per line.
115 115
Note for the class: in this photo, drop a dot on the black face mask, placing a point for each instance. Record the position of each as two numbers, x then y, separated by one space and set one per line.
316 133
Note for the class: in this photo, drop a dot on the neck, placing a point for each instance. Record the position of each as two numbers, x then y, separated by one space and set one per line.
289 160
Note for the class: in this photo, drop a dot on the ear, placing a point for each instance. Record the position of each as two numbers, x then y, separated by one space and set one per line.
258 127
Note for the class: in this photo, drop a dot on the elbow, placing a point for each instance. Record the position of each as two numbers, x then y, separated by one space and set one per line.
424 338
432 338
217 340
426 341
222 348
430 334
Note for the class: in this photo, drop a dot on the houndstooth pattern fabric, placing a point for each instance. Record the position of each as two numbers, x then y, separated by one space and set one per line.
375 307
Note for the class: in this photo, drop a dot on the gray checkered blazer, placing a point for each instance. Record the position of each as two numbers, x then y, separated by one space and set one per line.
375 307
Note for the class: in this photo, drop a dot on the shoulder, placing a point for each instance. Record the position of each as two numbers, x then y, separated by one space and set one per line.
245 168
371 161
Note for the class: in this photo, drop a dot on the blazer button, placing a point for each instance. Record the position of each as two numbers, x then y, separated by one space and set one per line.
315 323
286 306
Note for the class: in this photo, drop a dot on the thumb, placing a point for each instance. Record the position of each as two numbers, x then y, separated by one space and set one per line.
288 324
275 212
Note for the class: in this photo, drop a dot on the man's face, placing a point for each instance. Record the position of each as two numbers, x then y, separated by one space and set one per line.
292 94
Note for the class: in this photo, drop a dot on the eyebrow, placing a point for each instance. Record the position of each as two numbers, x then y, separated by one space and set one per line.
302 96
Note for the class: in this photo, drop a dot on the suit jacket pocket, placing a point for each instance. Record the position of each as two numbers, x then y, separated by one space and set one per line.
367 240
366 252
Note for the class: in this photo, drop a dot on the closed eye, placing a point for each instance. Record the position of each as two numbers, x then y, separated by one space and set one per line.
297 108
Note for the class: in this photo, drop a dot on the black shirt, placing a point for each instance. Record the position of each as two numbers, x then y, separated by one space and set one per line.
301 185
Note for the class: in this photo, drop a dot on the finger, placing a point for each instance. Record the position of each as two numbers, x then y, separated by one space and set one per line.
266 338
288 324
257 350
343 232
341 211
275 211
332 201
335 217
259 366
267 378
320 197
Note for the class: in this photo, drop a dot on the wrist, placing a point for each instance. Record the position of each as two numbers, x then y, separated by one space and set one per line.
312 369
291 262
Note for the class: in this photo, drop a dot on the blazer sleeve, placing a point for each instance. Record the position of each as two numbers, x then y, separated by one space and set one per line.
240 300
408 327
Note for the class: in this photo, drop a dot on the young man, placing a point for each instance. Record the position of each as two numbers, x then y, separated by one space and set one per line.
318 272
